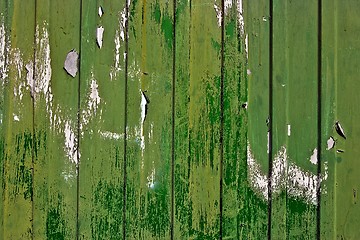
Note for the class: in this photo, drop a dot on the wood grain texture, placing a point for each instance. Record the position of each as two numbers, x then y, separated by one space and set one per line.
56 107
345 52
295 118
4 57
18 125
102 121
198 108
182 122
149 120
328 102
255 212
235 184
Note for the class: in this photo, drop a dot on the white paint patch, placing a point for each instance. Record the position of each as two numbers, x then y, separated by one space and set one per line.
288 130
41 84
99 36
94 99
151 179
313 157
285 176
4 46
93 102
218 14
143 116
30 76
258 180
100 11
247 46
70 143
17 61
240 16
268 142
330 143
119 39
227 6
111 135
71 63
16 118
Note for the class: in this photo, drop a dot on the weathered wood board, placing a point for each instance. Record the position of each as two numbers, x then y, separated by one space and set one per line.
199 119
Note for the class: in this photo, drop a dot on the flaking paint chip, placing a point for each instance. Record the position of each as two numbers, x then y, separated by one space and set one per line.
339 129
99 36
330 143
71 63
101 11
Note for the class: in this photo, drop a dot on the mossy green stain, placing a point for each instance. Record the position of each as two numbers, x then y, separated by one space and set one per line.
167 29
55 223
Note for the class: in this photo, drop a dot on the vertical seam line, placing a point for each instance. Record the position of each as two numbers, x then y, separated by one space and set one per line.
33 127
125 114
78 130
173 126
222 119
270 118
318 193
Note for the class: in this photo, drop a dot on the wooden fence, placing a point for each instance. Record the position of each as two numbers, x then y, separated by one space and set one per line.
179 119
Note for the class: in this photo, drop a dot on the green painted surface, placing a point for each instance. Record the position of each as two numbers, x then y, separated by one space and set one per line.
74 150
55 114
149 120
295 117
17 153
102 92
197 161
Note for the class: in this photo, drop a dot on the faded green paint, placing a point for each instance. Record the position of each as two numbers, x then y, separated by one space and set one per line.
255 213
148 169
197 121
17 152
102 92
293 70
46 195
55 186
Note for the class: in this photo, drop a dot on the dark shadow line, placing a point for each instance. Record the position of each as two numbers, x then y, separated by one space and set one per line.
33 127
173 127
270 118
319 146
222 118
78 130
126 116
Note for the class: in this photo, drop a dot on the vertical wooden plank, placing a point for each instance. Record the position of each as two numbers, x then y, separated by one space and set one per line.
235 184
328 154
102 120
182 200
56 106
149 120
343 184
18 124
4 58
295 119
197 162
254 188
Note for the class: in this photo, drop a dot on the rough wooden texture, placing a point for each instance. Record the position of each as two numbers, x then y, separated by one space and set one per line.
295 129
198 166
102 119
161 128
341 101
56 106
18 124
149 120
255 213
234 129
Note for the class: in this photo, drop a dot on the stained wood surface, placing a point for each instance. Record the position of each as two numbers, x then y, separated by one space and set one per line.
184 120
